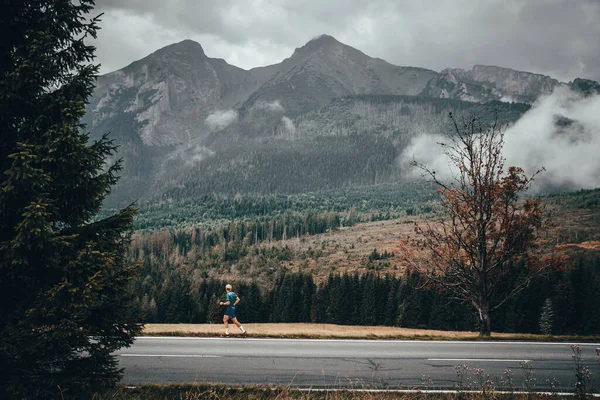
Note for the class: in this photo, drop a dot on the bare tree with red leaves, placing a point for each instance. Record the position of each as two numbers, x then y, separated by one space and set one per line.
474 246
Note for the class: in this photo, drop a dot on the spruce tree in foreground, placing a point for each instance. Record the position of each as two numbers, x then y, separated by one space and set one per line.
64 280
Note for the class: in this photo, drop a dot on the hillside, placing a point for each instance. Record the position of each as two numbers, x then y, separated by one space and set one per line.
353 231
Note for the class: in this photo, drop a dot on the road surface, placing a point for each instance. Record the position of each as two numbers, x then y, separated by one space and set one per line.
368 364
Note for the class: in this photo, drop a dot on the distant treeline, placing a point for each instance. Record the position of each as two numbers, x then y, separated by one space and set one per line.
505 112
567 302
229 241
359 203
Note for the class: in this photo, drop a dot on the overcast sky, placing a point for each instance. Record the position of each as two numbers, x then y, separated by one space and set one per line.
560 38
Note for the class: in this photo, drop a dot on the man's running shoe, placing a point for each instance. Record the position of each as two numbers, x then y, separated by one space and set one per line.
224 335
243 334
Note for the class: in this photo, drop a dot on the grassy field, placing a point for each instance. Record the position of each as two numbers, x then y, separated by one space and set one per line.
329 331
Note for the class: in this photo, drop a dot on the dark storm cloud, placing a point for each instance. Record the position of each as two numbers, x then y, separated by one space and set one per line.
555 37
195 16
550 36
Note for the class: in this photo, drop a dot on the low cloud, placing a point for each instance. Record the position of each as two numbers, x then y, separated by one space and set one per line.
288 124
561 133
273 107
195 154
221 119
426 150
185 156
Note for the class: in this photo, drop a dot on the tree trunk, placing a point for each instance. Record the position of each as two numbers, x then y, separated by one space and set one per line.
485 326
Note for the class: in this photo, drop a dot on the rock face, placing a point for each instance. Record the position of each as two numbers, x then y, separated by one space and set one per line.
159 108
586 87
324 69
183 118
486 83
169 94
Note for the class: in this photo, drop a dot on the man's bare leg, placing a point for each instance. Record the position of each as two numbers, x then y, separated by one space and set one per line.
237 323
226 323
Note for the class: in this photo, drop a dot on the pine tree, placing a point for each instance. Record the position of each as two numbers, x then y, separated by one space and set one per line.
391 305
370 301
356 293
345 317
547 317
253 305
177 304
278 299
563 307
318 312
411 312
308 289
64 279
292 309
214 310
333 300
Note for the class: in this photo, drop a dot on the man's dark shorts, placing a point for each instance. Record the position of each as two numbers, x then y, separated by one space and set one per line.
230 315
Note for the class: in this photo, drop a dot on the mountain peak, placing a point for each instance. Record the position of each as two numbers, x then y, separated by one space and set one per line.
324 39
186 46
325 46
322 42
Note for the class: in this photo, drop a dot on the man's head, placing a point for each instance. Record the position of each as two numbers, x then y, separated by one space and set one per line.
228 287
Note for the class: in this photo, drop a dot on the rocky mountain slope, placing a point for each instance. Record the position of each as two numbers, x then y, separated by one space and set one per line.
327 116
484 83
170 91
324 69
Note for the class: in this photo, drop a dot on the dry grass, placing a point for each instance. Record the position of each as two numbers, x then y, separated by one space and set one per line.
223 392
348 249
573 225
307 330
590 245
330 331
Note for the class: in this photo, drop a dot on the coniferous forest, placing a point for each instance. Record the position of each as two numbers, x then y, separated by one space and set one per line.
376 299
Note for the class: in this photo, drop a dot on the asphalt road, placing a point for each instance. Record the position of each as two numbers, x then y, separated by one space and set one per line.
367 364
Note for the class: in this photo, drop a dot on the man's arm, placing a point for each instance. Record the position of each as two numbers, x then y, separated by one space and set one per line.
228 302
237 300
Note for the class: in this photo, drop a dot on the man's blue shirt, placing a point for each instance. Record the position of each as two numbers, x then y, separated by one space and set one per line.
231 298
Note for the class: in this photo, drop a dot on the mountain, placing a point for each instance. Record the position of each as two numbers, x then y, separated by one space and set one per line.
324 69
157 108
485 83
326 117
169 94
352 141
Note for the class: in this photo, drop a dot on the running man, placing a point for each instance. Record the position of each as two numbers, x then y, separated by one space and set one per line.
232 301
